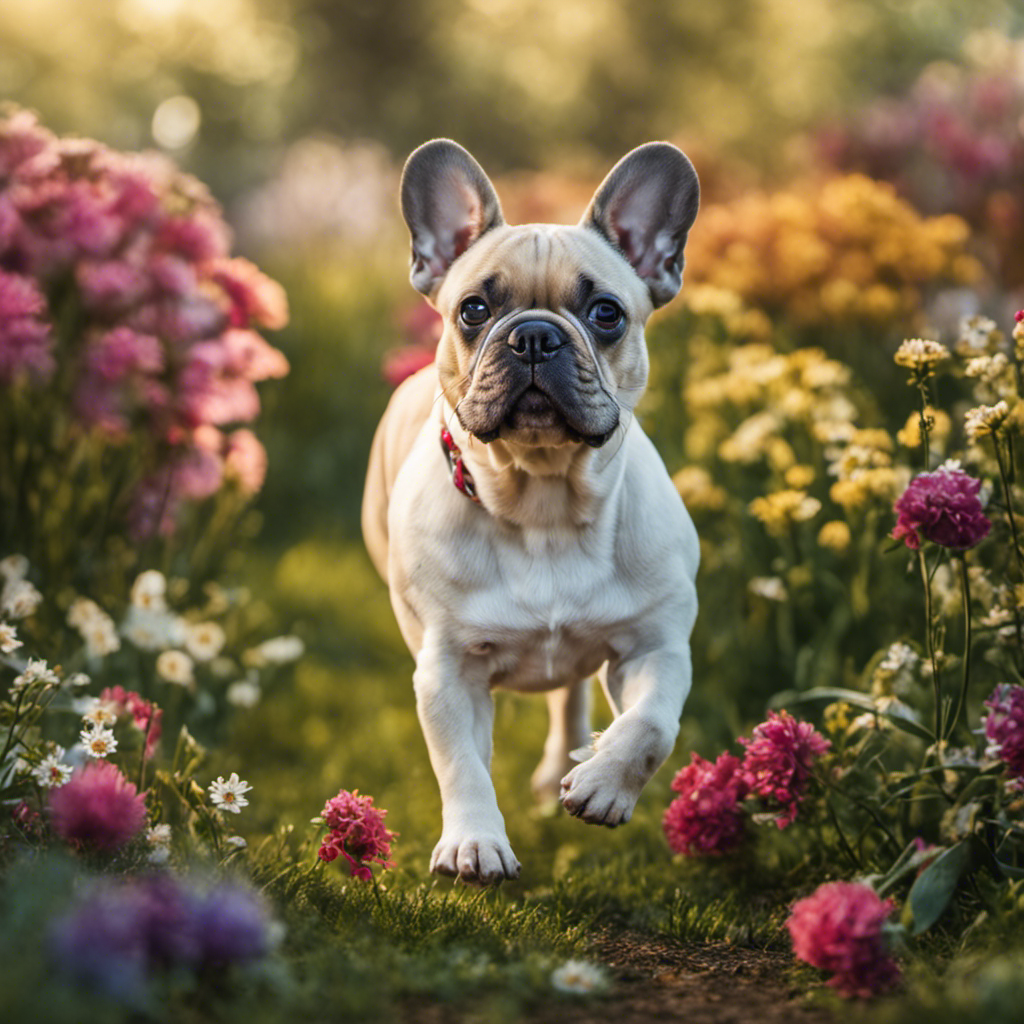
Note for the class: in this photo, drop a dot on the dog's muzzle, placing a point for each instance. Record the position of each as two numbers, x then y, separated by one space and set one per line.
536 341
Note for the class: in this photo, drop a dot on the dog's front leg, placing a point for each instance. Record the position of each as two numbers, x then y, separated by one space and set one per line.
646 693
457 716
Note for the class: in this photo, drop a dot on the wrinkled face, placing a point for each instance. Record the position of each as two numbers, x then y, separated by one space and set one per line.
543 336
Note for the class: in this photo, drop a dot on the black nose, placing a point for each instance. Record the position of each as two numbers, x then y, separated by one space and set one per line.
536 341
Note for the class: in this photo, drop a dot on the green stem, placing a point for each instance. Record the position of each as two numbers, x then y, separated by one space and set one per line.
965 583
923 422
1004 477
930 643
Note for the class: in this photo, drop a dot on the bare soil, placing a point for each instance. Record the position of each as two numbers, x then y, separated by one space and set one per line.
658 980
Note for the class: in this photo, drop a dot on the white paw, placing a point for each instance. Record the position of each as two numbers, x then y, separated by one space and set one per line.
546 781
480 858
601 791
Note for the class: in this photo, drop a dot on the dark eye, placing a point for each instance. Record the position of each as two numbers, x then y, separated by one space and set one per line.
473 312
605 314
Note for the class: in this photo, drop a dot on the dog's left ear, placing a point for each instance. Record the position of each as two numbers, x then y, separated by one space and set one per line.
448 203
645 208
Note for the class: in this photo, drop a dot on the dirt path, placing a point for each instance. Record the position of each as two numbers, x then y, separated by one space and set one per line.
657 981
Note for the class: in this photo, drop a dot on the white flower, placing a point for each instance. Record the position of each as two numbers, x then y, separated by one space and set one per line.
243 694
159 839
985 419
228 796
149 591
51 771
152 629
14 567
19 599
9 641
898 656
237 842
175 667
275 651
77 680
921 354
770 587
579 978
95 626
35 672
99 713
98 742
204 640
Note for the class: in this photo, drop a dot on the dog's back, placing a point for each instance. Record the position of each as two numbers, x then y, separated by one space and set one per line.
405 415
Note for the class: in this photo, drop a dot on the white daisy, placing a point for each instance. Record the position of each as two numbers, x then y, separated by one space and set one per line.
99 713
149 591
98 742
175 667
204 640
152 629
35 671
9 641
228 796
77 680
579 978
243 694
19 598
52 771
275 651
14 567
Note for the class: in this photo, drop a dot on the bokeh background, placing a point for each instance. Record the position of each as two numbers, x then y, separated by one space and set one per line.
298 114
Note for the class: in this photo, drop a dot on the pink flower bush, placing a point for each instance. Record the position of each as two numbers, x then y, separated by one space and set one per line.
779 759
98 808
357 833
146 716
1003 727
838 928
942 507
706 818
163 345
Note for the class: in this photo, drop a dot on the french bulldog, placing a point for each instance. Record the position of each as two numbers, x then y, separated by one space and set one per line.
527 528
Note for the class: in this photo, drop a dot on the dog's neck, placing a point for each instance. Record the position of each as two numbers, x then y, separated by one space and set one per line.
553 489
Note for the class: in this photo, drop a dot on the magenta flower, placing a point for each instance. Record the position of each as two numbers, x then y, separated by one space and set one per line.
99 808
779 759
148 718
1004 728
942 507
706 818
25 339
357 833
838 928
245 461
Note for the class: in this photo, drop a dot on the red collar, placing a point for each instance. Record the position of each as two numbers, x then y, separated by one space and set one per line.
460 475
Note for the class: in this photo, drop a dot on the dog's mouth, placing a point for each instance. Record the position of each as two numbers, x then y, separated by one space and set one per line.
534 410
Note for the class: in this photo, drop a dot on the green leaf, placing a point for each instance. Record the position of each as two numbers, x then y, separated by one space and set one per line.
934 888
859 700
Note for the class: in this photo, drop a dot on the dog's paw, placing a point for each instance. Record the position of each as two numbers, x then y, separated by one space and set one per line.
479 859
600 791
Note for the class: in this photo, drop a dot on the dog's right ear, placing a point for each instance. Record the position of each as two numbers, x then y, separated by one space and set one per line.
448 203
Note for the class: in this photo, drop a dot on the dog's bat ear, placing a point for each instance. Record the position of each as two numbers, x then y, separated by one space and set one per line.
645 208
448 203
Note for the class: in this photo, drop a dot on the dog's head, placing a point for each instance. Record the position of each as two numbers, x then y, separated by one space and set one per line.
543 341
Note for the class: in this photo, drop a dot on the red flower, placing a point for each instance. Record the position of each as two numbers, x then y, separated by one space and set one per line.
143 712
838 928
779 760
357 833
98 808
942 507
706 817
1004 728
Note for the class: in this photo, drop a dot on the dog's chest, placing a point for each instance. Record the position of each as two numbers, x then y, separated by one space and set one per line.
547 616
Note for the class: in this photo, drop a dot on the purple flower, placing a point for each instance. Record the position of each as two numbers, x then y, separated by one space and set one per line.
779 759
1004 728
706 818
232 924
942 507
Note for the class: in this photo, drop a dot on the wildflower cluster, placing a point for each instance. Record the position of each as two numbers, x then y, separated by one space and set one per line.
356 832
708 817
847 250
116 269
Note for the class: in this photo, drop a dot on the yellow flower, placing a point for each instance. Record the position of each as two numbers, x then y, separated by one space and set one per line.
838 717
799 477
835 535
909 435
779 510
697 490
849 494
985 419
921 356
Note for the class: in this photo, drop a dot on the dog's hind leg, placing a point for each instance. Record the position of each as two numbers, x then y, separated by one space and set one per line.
568 729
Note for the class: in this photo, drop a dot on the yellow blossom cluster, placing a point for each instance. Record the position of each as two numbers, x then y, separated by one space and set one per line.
848 249
780 510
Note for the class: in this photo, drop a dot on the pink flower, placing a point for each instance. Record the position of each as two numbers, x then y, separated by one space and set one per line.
209 390
706 817
198 472
255 298
400 363
25 340
99 808
143 713
245 461
779 759
357 833
839 929
110 286
198 237
1004 728
154 508
942 507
